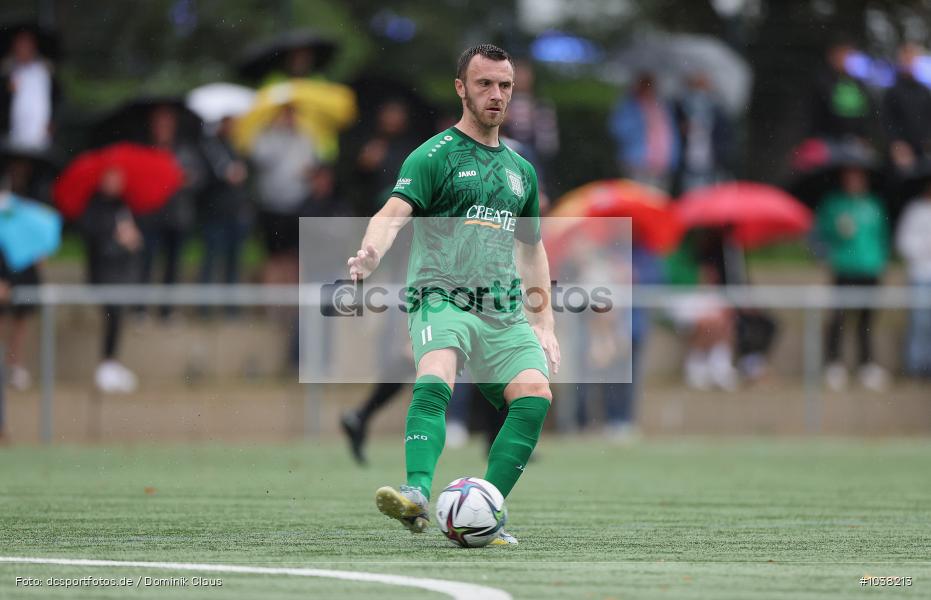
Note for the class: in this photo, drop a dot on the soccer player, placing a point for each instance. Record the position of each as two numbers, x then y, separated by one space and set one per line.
478 221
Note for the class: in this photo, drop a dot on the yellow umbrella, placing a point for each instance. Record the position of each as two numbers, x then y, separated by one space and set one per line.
322 109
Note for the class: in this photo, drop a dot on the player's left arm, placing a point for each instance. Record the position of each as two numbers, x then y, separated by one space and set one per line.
534 271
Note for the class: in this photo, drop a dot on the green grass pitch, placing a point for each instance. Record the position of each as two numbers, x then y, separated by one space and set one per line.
690 518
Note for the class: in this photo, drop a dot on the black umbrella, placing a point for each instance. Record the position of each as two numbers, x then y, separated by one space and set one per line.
260 58
46 40
42 164
130 120
814 176
42 158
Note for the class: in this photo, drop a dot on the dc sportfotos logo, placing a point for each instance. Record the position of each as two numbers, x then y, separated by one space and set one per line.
348 298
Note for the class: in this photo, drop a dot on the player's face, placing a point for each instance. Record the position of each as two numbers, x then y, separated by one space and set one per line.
487 89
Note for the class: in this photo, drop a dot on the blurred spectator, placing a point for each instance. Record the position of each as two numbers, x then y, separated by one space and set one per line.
292 182
840 104
644 129
707 136
28 85
165 230
613 339
19 377
397 367
906 107
113 244
705 319
913 241
376 164
17 175
853 226
225 211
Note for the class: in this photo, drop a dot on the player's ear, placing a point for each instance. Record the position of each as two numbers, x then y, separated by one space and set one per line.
460 88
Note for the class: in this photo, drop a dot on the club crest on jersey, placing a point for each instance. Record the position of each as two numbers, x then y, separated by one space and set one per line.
516 183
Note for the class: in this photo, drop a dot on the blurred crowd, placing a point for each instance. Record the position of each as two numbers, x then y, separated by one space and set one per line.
226 163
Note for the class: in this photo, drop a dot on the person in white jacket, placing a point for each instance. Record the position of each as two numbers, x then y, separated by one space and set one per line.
913 242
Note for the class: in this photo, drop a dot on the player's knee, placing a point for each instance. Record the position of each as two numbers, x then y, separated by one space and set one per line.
535 389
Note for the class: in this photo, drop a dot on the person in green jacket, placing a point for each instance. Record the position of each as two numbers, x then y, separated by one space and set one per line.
853 226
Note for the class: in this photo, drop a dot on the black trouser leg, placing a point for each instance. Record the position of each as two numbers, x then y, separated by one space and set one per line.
111 330
380 396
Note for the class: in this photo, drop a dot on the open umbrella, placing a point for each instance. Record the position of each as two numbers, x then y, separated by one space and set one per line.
673 57
151 176
816 164
41 158
653 224
130 121
755 214
29 231
322 110
264 56
216 101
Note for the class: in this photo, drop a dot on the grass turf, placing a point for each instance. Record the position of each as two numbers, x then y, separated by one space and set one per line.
663 519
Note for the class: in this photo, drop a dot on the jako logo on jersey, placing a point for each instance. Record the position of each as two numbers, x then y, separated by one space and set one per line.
490 217
468 173
416 436
403 181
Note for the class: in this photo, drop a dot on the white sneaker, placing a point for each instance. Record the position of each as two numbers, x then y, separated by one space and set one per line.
622 433
721 368
725 377
457 435
113 378
836 377
20 379
873 377
697 373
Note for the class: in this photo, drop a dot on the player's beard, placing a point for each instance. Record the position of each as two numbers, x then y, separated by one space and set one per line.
479 114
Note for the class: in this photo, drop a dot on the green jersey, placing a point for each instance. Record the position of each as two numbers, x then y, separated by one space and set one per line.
470 202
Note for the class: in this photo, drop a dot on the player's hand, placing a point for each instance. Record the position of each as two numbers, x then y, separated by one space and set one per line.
550 346
363 263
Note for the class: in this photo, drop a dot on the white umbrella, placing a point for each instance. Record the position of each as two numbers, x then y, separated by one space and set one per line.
673 57
216 101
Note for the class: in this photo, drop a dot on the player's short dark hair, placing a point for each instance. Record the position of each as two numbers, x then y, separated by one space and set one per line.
489 51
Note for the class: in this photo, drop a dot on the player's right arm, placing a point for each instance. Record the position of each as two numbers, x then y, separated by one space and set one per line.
379 236
413 193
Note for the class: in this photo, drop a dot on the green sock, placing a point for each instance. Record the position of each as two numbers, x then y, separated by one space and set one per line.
425 434
515 442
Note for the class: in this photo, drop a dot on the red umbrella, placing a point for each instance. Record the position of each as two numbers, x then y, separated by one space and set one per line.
757 214
151 177
654 225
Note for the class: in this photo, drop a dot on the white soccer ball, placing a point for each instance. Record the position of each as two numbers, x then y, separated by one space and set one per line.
471 512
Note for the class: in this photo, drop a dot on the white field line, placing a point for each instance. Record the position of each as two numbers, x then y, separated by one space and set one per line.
453 589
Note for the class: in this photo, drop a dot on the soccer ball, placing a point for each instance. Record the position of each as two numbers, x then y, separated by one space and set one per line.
471 512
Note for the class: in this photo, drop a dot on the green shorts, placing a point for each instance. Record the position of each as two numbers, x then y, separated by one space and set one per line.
495 354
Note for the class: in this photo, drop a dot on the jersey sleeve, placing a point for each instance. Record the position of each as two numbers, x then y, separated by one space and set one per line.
417 180
528 225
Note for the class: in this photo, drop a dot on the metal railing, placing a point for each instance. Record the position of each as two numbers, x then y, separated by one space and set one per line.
813 300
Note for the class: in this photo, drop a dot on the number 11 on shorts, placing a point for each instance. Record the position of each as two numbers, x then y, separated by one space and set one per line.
426 335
